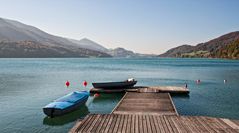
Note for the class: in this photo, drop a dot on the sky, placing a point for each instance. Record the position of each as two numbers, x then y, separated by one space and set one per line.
144 26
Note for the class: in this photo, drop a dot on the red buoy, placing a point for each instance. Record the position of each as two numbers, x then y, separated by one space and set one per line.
67 83
85 83
96 95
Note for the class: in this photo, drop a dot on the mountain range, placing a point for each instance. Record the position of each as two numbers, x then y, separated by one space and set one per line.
18 40
225 46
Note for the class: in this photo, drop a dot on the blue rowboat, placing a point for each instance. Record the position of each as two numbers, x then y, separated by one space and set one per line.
66 103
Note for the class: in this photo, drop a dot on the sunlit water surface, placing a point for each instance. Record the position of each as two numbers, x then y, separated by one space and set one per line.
27 85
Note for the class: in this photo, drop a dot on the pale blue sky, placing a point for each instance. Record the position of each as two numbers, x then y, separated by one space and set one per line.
140 25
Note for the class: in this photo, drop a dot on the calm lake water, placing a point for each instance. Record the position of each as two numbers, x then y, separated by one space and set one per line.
27 85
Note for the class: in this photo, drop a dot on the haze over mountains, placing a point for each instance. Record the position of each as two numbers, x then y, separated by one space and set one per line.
20 40
225 46
117 52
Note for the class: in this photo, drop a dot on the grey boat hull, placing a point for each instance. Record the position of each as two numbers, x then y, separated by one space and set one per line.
114 85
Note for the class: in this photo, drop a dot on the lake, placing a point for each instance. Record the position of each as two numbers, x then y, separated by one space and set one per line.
27 85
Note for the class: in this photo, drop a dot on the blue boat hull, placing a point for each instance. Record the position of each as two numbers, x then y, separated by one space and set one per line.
55 111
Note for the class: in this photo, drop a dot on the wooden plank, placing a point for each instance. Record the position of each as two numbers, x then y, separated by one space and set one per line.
163 123
144 124
211 123
148 104
152 124
121 124
147 108
170 123
79 124
196 123
182 128
164 89
132 124
136 124
148 124
222 123
205 125
145 89
158 126
105 120
97 124
86 123
128 124
107 126
124 123
216 123
112 124
133 95
141 123
236 122
228 130
117 122
92 124
144 103
101 124
155 124
230 123
166 124
145 113
175 125
191 125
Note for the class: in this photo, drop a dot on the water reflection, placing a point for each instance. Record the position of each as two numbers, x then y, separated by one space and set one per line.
62 120
107 98
180 95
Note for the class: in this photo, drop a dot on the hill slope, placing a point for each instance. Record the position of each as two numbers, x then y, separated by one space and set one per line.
230 51
207 49
31 49
16 36
89 44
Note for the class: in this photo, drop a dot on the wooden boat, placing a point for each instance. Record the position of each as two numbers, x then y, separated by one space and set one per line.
66 103
115 85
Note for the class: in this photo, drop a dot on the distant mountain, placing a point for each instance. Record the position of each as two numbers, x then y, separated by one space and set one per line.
21 40
117 52
16 36
210 49
86 43
121 52
175 52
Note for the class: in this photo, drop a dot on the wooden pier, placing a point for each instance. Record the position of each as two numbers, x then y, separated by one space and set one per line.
134 123
151 110
163 89
146 103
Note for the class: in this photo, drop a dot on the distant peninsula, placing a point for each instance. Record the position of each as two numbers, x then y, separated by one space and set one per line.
225 46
